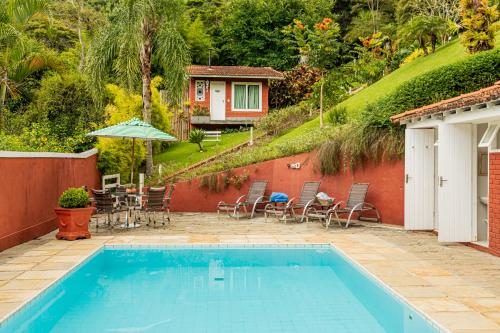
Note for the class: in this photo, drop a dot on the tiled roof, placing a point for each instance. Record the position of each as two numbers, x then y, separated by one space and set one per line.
477 97
234 71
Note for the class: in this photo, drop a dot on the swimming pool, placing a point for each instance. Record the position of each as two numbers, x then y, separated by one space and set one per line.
300 289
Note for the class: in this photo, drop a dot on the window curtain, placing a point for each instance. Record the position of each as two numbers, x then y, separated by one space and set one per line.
240 97
253 97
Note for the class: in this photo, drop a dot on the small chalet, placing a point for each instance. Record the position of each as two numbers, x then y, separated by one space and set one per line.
452 167
229 95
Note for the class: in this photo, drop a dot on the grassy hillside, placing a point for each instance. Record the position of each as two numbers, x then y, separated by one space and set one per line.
181 155
445 55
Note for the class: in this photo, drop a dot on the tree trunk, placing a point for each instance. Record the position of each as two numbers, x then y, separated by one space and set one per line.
146 90
433 42
3 94
321 101
421 41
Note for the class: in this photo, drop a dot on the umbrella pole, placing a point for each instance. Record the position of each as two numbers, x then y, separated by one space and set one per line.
133 162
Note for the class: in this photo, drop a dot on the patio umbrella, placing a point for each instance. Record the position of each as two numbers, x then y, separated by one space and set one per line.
133 129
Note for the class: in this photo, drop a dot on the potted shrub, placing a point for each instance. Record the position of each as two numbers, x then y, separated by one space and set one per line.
73 214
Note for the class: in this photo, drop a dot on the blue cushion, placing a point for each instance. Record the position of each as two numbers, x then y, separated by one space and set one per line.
278 197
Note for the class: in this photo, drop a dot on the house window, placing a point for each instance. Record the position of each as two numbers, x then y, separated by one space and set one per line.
200 91
247 96
489 136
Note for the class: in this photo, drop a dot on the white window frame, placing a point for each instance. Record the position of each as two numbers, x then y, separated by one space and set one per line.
491 131
246 84
198 98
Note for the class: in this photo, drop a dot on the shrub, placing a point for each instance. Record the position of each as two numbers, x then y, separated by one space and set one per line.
200 111
337 116
296 87
279 121
74 198
478 19
197 136
449 81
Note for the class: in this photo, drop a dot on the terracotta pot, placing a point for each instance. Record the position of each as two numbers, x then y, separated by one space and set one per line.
73 223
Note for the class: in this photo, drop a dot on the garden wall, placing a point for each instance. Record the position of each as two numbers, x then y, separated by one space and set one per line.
31 184
386 185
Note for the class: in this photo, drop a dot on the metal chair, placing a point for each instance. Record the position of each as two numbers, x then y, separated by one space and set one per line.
306 199
105 203
254 197
157 202
355 204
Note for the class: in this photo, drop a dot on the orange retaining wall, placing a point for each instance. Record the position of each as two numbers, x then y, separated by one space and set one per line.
386 185
31 185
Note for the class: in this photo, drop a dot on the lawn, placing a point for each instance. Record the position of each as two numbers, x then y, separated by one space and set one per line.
181 155
445 55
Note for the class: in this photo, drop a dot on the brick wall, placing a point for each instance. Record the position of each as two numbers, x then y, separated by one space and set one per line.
494 203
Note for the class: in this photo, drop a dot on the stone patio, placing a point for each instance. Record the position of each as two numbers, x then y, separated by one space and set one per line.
456 286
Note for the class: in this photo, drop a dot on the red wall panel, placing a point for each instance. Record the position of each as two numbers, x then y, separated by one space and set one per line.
386 186
30 191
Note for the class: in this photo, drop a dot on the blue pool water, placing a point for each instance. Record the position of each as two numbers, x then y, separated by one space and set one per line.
217 290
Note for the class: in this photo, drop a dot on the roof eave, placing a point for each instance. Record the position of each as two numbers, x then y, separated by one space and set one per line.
237 76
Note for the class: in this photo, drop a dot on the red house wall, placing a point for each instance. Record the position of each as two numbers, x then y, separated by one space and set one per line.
386 186
494 204
30 191
229 112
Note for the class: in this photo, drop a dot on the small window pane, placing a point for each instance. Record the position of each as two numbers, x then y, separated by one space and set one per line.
488 136
253 97
240 97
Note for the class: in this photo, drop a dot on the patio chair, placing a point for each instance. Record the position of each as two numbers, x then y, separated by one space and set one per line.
355 204
157 201
105 203
253 198
306 199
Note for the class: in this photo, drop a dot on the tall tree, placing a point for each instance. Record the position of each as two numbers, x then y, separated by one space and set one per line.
319 47
141 30
19 56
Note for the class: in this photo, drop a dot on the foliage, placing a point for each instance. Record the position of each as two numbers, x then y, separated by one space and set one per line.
337 116
480 22
216 182
445 82
20 56
200 111
65 102
38 137
251 30
197 136
417 53
424 29
279 121
115 154
74 198
140 33
198 41
296 86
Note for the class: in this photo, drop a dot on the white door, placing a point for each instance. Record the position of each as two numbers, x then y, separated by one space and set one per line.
217 100
455 157
419 179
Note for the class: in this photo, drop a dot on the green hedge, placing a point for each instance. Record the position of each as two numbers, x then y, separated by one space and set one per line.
449 81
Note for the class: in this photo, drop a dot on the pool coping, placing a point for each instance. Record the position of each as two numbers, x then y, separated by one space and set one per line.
16 311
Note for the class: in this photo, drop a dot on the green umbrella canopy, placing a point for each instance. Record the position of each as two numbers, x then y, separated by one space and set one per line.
133 129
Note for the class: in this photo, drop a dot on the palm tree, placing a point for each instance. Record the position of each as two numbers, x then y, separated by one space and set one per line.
138 30
19 56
